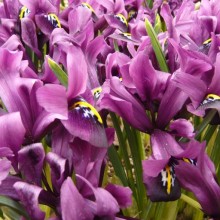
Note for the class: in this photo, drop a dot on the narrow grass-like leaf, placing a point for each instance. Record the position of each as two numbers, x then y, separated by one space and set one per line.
140 145
158 25
209 133
136 157
125 155
209 136
10 214
170 210
166 210
4 201
204 123
149 3
1 214
216 150
117 165
156 46
196 121
159 210
57 70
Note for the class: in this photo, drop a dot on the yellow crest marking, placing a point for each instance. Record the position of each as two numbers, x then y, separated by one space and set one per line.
168 179
53 18
96 92
86 5
186 160
87 105
207 41
126 34
212 96
24 11
122 19
131 14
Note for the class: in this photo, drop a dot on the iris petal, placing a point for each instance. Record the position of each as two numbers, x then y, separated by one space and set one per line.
85 122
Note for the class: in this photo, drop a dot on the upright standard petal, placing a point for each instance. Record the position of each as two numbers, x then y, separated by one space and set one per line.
94 48
53 99
77 72
164 145
171 103
192 85
143 75
116 98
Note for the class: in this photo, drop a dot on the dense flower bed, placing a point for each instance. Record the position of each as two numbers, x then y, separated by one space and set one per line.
86 85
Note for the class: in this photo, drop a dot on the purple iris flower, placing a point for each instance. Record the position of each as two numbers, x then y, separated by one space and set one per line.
190 79
201 180
19 94
82 195
95 51
159 170
80 118
194 29
37 20
208 98
115 97
81 25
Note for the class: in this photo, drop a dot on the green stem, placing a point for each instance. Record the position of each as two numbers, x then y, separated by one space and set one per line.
116 163
115 45
149 3
191 201
123 147
136 157
141 149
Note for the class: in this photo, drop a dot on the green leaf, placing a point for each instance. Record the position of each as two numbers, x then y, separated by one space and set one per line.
133 141
199 129
57 70
118 167
18 208
156 47
209 136
216 150
1 214
149 3
158 25
125 155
